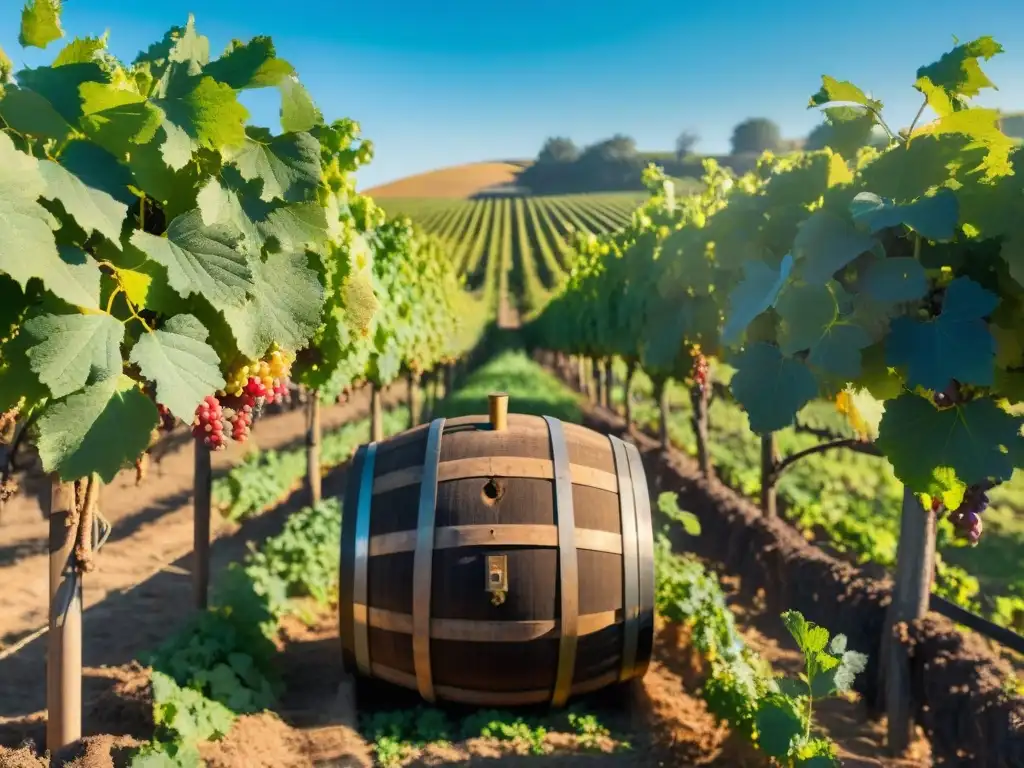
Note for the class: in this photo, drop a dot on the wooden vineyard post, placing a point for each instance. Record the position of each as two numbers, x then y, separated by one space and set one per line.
415 399
609 381
202 497
699 397
661 395
449 379
376 414
627 401
313 479
769 462
912 586
64 640
600 397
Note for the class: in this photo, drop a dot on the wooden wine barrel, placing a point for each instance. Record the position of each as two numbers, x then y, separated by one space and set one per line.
497 566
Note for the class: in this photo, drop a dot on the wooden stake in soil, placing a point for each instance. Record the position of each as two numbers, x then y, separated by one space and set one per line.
202 495
627 403
415 399
313 479
376 414
769 461
915 565
64 641
609 381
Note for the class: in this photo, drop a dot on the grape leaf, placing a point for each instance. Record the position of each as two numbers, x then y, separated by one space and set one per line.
778 726
955 345
825 243
288 165
295 227
29 113
94 210
298 111
753 295
805 312
80 51
40 23
895 280
100 429
838 352
62 86
97 168
975 440
771 388
842 90
183 366
208 112
934 217
67 352
200 259
250 65
284 307
118 119
958 72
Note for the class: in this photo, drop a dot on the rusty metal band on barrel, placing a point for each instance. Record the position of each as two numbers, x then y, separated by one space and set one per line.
423 562
645 544
568 565
630 565
360 563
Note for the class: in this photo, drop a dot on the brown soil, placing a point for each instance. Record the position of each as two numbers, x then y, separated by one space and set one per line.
458 181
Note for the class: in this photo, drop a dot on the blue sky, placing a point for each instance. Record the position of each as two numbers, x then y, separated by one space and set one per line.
439 83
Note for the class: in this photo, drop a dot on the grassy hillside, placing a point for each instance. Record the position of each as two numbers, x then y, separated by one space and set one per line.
455 182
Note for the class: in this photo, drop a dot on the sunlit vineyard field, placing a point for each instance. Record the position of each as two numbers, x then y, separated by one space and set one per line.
521 239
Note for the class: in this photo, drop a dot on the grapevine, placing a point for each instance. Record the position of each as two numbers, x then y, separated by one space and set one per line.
886 280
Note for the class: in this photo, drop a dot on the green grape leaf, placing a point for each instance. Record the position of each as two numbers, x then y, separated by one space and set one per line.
975 441
288 165
825 243
778 726
284 307
934 217
67 352
958 72
250 65
771 388
30 114
40 23
205 111
895 280
62 86
118 119
838 352
805 312
295 227
833 90
99 429
183 366
176 191
80 51
955 345
298 111
98 169
757 292
92 209
200 259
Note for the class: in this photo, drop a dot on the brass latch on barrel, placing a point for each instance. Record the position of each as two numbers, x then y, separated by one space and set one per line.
497 578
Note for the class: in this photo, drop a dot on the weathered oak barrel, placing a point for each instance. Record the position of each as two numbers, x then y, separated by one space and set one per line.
503 561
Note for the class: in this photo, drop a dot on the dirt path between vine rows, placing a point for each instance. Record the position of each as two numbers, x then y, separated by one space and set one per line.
142 587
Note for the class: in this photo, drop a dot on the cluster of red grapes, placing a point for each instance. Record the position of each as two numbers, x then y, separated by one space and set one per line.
966 518
700 369
246 392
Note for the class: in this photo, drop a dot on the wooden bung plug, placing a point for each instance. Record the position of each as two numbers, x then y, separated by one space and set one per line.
498 409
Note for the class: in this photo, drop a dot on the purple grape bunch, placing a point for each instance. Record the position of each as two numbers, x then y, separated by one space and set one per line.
967 517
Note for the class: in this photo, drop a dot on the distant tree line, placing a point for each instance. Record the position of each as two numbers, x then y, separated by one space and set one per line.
615 164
